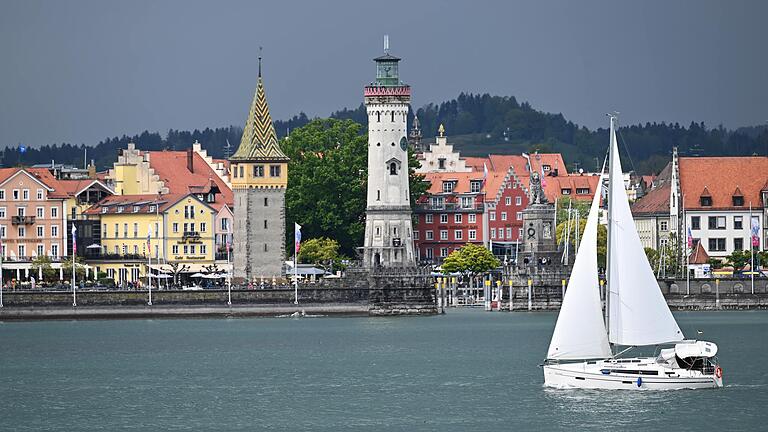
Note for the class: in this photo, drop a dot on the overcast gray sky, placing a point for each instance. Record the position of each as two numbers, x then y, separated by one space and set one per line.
80 71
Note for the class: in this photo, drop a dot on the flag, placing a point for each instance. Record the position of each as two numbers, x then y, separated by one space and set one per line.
149 236
690 238
297 235
543 176
755 232
74 240
485 174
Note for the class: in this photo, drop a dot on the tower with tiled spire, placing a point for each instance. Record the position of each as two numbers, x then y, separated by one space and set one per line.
259 174
388 231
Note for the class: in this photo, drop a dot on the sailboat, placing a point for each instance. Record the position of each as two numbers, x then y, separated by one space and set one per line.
581 353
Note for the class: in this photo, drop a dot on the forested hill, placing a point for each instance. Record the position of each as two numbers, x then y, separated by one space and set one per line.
477 124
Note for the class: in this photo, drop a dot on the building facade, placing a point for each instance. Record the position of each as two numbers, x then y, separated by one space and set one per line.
388 231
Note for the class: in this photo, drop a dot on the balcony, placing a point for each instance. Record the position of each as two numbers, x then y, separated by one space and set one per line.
22 220
448 207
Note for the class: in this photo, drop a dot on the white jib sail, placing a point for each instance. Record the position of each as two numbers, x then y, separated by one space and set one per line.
580 330
638 313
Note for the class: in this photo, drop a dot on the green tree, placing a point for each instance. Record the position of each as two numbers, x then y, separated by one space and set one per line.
715 263
470 260
323 252
66 265
738 259
326 192
602 237
42 264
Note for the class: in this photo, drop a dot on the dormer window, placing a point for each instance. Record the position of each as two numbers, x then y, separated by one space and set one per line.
738 201
475 186
582 191
546 168
120 209
448 186
104 209
151 208
706 201
566 191
135 209
211 197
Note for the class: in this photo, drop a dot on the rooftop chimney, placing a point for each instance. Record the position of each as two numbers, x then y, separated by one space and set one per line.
190 165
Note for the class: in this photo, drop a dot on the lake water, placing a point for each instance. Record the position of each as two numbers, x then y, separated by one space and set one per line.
466 370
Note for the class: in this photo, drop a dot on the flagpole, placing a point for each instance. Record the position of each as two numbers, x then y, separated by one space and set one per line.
149 264
1 273
687 252
74 253
229 272
297 240
751 249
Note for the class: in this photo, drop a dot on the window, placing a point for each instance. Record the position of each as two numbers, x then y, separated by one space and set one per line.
443 218
40 250
2 231
192 249
501 233
265 247
54 231
125 230
117 230
493 216
503 216
25 195
437 202
738 223
458 235
519 233
2 212
135 209
265 224
509 233
22 250
738 201
152 208
274 170
430 235
566 191
203 226
695 222
472 218
186 249
2 194
41 212
135 249
104 209
493 233
467 202
225 224
706 201
175 249
189 212
55 250
54 212
448 186
519 215
472 235
717 244
22 231
443 252
663 225
242 171
15 194
120 209
416 235
203 249
443 234
441 163
518 201
234 171
21 211
582 191
258 170
392 168
429 253
266 202
508 201
717 222
458 218
475 186
738 244
117 250
428 218
175 227
40 196
41 231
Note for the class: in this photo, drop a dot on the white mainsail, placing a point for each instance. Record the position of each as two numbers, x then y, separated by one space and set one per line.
580 330
638 313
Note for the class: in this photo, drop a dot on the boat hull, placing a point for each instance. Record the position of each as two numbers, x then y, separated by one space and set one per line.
630 374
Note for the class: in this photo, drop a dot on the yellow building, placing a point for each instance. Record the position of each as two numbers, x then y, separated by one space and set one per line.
173 233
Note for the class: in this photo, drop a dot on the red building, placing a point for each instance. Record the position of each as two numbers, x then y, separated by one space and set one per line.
485 203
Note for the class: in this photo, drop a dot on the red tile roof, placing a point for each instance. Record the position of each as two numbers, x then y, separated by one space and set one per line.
143 202
719 177
171 167
654 202
699 255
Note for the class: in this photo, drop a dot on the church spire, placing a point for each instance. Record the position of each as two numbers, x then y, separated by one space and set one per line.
259 141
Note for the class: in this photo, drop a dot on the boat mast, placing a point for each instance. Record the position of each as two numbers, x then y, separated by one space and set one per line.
611 179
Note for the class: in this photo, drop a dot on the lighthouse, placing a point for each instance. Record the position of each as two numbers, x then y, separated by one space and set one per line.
388 230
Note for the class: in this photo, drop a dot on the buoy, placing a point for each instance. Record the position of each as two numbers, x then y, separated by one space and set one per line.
639 381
